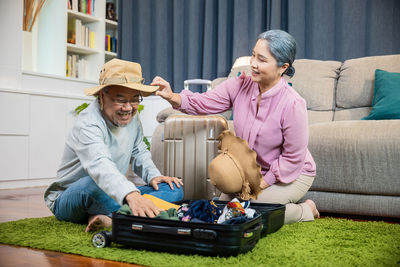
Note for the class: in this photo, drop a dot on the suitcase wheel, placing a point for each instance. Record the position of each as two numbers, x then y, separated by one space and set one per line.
101 239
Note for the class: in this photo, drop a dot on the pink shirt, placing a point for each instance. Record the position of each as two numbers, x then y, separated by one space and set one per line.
278 132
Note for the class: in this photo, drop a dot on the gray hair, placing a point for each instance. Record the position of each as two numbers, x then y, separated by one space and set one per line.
282 46
106 89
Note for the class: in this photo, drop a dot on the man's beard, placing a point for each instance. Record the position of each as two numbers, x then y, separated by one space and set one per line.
123 113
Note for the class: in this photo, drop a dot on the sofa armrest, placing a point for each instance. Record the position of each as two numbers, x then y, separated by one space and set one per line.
157 147
165 113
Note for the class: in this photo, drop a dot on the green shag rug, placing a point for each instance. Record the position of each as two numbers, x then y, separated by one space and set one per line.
324 242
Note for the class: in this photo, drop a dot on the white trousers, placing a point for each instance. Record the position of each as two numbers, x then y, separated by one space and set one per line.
289 195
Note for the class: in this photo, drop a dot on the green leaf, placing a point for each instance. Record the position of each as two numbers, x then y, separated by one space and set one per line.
146 141
80 108
140 108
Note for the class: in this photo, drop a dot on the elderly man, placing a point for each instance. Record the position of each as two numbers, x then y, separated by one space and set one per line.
91 182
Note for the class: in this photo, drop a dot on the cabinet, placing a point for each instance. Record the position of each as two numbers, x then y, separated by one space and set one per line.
71 40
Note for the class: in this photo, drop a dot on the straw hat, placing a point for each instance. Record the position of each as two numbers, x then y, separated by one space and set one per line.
235 169
122 73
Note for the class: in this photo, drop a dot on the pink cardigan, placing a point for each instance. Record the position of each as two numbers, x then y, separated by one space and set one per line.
278 132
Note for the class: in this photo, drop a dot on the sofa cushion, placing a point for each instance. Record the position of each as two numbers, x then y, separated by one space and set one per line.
237 71
319 116
358 157
386 101
241 64
351 113
356 80
315 81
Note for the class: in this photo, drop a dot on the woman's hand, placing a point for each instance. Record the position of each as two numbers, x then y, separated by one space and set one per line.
263 184
164 89
166 179
165 92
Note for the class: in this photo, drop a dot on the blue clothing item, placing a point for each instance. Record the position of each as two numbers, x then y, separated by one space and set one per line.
203 210
97 148
84 198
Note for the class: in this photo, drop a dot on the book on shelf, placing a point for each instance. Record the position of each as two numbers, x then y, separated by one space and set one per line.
92 39
71 34
79 34
76 67
111 43
83 6
78 28
114 44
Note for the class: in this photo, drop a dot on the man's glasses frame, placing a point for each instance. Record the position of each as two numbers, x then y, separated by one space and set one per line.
122 102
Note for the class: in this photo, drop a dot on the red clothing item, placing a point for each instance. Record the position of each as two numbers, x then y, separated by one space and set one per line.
278 132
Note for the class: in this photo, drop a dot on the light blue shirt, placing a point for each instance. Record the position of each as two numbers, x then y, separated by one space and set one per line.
97 148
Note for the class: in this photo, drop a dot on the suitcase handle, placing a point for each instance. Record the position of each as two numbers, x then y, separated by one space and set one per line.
180 231
161 229
250 232
186 83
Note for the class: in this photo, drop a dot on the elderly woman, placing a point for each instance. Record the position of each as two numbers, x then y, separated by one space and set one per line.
271 116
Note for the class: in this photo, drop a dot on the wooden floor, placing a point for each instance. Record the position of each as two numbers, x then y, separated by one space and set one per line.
18 204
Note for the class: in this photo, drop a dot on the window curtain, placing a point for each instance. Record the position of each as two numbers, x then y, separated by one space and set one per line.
188 39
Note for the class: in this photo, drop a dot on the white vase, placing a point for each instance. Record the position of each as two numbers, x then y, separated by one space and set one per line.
27 51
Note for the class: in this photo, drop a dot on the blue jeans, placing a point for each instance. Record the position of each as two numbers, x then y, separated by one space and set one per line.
84 198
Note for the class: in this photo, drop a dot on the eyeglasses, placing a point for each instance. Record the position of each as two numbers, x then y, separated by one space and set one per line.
122 101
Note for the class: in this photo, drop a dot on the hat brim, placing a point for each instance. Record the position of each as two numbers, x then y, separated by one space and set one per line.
146 90
247 157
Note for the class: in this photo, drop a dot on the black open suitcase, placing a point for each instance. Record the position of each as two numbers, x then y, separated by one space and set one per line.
191 237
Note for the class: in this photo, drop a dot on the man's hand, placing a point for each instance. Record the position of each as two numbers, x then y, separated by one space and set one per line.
141 206
166 179
263 184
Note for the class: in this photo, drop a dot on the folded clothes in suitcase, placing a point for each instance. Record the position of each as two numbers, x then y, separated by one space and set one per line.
193 237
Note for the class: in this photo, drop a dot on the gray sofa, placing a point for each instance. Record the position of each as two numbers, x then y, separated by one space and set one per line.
358 161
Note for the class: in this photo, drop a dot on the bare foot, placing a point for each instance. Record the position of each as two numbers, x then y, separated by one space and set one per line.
313 207
96 222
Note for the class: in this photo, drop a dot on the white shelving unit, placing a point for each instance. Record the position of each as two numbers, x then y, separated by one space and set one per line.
72 48
111 23
53 48
112 30
110 55
84 17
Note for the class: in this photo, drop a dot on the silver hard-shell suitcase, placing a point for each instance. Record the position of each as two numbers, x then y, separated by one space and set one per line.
190 143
